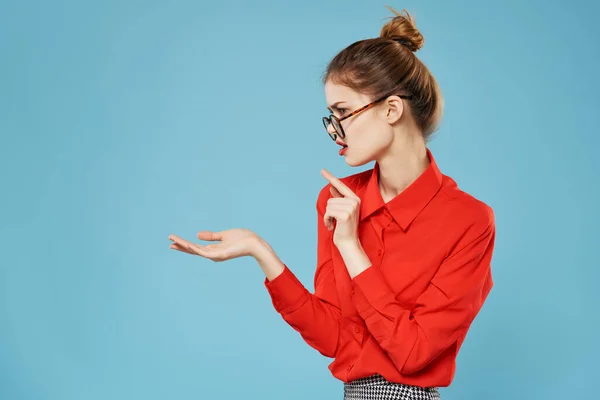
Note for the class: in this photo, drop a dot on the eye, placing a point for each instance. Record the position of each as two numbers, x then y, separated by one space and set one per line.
342 111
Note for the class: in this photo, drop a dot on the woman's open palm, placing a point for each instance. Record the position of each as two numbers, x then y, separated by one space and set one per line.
232 243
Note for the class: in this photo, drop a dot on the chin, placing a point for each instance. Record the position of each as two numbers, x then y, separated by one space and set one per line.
356 162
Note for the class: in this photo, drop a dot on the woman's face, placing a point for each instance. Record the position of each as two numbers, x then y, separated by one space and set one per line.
368 133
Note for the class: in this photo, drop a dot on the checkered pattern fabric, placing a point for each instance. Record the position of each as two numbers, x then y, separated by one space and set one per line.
376 387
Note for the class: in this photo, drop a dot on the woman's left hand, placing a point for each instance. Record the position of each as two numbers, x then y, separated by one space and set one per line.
344 209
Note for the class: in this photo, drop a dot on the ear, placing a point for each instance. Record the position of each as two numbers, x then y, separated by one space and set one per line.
394 109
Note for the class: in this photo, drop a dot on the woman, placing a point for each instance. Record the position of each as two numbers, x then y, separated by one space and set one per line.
403 258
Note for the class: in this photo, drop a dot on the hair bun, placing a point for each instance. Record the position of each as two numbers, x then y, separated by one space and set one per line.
403 30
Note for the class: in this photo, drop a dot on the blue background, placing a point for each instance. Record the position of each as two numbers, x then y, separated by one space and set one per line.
124 122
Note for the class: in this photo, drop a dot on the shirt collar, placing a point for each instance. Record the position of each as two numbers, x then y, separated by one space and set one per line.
407 204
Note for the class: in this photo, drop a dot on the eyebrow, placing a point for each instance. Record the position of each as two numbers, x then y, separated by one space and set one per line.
334 105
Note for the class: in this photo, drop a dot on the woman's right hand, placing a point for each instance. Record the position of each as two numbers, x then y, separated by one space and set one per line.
232 243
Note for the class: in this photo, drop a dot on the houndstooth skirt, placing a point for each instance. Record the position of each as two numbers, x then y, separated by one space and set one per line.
376 387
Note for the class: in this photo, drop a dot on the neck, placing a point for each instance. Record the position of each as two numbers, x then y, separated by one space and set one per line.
402 164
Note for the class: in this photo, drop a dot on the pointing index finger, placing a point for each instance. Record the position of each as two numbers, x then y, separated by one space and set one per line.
339 185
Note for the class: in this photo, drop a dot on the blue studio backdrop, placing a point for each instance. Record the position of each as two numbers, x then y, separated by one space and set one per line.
123 122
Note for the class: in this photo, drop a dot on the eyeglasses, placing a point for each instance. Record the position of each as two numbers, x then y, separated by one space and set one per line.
336 122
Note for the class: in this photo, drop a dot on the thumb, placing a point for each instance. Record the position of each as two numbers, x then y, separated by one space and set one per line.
334 192
209 236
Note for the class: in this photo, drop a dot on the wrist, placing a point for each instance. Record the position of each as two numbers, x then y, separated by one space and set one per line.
354 257
263 252
266 257
258 247
348 244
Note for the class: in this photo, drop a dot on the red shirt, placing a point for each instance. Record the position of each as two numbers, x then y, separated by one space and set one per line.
406 316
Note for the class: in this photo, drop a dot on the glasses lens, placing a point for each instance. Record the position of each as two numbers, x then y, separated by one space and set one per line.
326 123
338 127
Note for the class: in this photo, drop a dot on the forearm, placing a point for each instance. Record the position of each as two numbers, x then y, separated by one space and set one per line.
315 319
384 327
413 335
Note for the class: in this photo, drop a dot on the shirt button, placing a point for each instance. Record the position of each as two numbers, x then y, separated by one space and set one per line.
352 291
357 329
379 252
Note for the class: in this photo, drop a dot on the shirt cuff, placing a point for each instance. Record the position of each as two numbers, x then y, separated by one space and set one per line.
287 292
371 292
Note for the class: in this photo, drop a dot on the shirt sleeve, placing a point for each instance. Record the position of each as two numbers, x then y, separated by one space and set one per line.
443 313
315 316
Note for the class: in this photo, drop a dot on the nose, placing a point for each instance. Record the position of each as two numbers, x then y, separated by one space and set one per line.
330 128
